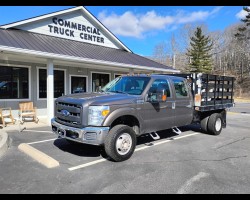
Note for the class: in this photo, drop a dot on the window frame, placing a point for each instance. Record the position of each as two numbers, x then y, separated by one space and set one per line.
59 69
96 72
70 77
29 81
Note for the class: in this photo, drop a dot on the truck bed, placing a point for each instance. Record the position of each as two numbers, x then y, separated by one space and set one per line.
214 91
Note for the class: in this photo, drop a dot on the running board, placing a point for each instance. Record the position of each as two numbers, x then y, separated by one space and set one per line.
176 130
156 137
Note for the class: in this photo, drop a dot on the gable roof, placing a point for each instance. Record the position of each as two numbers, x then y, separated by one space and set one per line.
18 41
82 9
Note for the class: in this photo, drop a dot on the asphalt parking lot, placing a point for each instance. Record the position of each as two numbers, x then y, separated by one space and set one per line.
191 162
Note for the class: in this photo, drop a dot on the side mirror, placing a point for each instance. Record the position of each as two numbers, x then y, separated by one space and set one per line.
159 96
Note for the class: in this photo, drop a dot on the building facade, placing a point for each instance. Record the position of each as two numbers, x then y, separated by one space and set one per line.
60 53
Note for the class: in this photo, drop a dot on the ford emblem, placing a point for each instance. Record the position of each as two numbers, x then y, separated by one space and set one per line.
65 113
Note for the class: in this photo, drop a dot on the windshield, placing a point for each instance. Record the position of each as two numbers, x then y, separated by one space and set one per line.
129 85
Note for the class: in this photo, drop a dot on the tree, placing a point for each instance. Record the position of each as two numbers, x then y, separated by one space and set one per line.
243 33
199 52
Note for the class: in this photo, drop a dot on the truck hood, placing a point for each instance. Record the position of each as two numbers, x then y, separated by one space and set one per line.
99 98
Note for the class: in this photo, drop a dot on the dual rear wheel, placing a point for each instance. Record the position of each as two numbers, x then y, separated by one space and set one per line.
212 124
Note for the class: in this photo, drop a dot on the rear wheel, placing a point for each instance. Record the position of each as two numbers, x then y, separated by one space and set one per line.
214 125
120 143
204 123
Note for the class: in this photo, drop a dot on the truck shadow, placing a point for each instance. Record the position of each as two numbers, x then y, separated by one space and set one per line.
82 150
85 150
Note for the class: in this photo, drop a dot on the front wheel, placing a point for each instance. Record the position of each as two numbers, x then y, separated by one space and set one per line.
214 125
120 143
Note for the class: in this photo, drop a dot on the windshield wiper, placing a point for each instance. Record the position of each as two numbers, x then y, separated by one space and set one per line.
117 91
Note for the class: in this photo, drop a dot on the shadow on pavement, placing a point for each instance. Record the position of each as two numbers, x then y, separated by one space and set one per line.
86 150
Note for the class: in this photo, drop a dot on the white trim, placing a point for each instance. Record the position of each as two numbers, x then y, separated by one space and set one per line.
29 83
96 72
37 78
39 18
70 76
84 10
80 59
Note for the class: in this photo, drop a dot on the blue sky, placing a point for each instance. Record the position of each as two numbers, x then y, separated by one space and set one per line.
140 28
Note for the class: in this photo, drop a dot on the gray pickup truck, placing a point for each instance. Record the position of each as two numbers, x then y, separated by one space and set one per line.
132 105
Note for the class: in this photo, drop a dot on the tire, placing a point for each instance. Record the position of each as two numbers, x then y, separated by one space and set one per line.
214 125
114 143
204 123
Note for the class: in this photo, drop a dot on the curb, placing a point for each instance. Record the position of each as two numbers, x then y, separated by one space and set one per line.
39 156
4 142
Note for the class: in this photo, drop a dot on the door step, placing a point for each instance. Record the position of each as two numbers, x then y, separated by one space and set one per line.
176 130
155 136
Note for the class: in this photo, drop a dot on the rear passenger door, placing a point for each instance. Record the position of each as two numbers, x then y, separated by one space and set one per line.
183 108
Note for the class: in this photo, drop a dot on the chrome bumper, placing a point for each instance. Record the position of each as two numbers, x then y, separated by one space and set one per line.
87 135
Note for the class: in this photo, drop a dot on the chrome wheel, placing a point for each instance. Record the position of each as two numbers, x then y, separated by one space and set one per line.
123 144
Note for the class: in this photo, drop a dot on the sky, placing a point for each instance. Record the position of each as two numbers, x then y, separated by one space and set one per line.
140 28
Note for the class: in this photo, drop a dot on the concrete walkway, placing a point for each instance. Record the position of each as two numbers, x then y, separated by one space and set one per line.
4 138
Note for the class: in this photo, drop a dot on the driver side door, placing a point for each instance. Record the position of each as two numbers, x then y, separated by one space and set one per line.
158 115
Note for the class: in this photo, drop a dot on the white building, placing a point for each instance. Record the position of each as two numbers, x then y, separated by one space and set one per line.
69 51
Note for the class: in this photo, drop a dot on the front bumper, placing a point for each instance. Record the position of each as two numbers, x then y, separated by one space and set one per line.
87 135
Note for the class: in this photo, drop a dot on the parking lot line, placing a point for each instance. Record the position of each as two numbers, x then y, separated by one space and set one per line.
38 131
42 141
138 149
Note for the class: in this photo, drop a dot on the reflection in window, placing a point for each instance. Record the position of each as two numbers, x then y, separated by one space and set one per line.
99 81
180 88
14 82
78 84
159 85
58 83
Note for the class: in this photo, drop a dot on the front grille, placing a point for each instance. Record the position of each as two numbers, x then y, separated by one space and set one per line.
69 114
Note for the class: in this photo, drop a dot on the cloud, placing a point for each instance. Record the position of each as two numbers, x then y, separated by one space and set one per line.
242 14
137 25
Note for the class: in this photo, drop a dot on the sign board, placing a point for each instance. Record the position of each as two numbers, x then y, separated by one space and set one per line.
72 26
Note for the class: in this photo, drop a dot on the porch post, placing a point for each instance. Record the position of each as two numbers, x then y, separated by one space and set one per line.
50 90
131 71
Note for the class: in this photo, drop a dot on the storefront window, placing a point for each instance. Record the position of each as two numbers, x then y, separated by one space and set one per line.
14 82
58 83
78 84
99 80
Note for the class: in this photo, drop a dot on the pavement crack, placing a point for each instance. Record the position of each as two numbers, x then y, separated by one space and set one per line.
233 142
205 160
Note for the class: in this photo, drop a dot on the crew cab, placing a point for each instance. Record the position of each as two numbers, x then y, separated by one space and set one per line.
132 105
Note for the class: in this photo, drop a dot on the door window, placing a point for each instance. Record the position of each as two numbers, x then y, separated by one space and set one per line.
180 88
160 84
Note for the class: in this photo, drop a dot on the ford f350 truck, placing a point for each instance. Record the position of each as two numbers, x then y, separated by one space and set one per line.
132 105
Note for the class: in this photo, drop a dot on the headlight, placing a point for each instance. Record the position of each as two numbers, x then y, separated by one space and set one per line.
97 115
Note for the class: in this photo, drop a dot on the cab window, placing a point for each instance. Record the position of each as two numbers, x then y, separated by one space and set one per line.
180 88
160 84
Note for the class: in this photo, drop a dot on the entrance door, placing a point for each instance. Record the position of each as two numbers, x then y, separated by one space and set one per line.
78 84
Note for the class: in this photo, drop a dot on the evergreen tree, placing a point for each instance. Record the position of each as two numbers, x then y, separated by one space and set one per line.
243 33
199 53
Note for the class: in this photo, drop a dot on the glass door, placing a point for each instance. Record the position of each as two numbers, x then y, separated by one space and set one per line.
78 84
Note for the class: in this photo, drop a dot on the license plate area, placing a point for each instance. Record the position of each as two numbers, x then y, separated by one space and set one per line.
61 132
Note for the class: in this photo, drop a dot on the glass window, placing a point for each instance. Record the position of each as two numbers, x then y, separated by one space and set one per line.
99 81
180 88
58 83
78 84
160 84
130 85
14 82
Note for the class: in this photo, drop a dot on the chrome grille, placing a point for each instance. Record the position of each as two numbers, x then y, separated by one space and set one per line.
68 114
